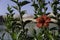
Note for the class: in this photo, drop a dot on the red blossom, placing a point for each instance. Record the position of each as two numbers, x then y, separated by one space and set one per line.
43 21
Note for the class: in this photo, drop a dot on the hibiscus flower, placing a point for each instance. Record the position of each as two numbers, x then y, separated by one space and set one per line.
43 21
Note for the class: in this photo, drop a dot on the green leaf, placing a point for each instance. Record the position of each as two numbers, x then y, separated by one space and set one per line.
14 36
26 22
56 2
34 31
35 16
16 25
40 13
46 8
54 28
50 37
15 7
49 34
53 17
8 8
23 3
58 8
35 6
39 36
23 12
16 1
39 0
58 15
3 36
12 15
45 4
11 11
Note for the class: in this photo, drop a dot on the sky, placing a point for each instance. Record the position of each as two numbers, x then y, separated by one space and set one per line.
29 9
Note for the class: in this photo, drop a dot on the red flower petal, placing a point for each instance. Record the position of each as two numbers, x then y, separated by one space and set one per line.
44 17
48 20
39 25
38 20
43 21
46 24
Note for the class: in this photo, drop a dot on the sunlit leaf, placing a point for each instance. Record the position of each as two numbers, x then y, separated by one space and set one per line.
14 36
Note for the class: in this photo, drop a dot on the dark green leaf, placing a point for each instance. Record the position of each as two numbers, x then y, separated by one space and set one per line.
35 16
56 2
39 0
26 22
42 5
45 4
58 36
35 6
16 1
34 31
26 30
58 8
40 36
54 28
46 8
3 36
12 14
11 11
22 12
40 13
53 17
8 8
58 15
55 10
15 7
23 3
